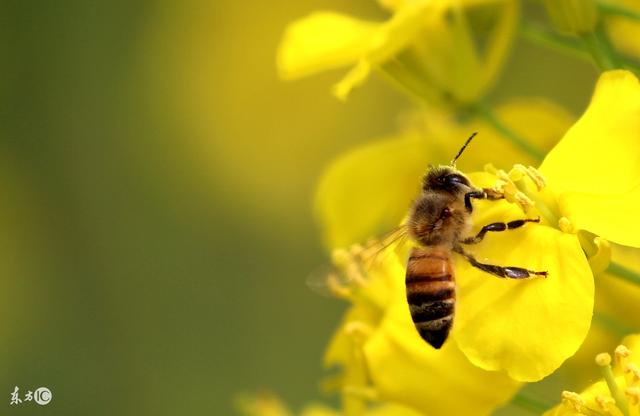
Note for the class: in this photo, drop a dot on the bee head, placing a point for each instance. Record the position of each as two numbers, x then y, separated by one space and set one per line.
445 178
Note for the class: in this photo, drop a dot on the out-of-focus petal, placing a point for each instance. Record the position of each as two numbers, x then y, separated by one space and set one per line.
527 327
322 41
594 170
390 38
369 190
623 31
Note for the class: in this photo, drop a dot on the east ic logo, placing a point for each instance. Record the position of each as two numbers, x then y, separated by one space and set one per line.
41 396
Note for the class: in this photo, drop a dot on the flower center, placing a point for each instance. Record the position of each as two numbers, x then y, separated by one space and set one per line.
524 187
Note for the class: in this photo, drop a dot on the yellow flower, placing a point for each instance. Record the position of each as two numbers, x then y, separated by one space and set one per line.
367 191
592 172
617 393
573 16
426 46
528 328
384 359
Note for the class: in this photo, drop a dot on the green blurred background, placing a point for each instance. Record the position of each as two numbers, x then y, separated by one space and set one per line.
156 181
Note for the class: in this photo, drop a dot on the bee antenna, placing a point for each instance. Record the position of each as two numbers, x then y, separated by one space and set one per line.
453 162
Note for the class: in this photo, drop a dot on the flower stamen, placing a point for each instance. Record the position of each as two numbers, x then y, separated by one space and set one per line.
633 394
565 226
603 360
577 403
359 332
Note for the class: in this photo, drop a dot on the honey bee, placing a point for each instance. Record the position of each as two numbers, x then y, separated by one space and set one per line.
440 223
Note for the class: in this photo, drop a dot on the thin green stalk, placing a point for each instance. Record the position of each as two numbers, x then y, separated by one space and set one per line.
614 389
490 117
540 36
601 52
618 10
529 403
625 274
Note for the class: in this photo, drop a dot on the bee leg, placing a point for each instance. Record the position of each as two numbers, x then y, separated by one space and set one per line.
485 193
510 272
497 226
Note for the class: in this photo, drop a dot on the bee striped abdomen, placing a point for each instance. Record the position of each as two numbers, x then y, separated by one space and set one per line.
431 293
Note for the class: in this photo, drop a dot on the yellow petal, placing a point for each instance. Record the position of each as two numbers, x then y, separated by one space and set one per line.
526 327
595 169
367 191
624 32
389 39
501 38
404 368
322 41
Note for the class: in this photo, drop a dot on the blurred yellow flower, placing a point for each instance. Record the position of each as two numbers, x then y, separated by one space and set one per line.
624 31
617 393
368 190
426 47
266 404
528 328
383 358
576 17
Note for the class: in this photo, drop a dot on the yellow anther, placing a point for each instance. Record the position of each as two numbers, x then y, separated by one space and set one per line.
566 226
524 201
633 394
358 331
574 400
603 359
338 288
516 174
536 177
502 175
634 372
621 354
605 402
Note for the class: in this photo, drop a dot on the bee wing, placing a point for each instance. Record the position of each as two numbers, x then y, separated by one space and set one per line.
377 249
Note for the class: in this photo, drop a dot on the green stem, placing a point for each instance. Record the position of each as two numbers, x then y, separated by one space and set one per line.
487 114
600 50
614 389
539 35
529 403
624 273
618 10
